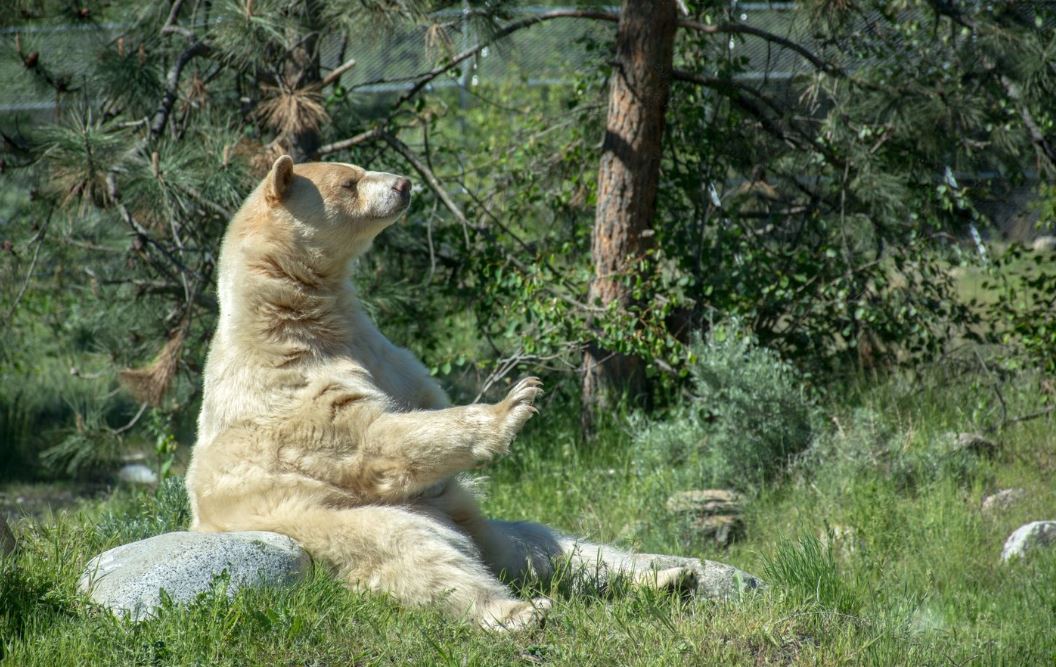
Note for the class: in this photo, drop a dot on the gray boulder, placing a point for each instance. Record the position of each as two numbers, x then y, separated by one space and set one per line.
1002 500
973 443
128 580
704 502
137 473
1044 244
1029 537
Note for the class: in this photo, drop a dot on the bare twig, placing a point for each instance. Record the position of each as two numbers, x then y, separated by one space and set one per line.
426 173
118 431
1027 417
170 23
425 78
336 73
39 240
745 29
360 138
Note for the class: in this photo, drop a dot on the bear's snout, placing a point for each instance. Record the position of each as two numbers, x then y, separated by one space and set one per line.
403 187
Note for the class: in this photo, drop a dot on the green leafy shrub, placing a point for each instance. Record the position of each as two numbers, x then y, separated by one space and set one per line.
749 413
1021 315
867 445
165 510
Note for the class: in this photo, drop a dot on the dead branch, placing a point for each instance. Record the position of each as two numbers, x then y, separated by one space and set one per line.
336 73
39 240
427 174
1027 417
360 138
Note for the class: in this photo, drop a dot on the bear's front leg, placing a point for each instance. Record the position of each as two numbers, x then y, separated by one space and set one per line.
406 452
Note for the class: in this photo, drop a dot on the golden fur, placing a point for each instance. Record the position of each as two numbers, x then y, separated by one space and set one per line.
314 425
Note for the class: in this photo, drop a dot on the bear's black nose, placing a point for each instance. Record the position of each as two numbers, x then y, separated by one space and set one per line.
403 186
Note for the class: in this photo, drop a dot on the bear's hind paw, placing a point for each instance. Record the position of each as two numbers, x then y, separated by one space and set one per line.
514 615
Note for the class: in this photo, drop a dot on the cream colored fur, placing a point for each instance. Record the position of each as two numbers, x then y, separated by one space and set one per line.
314 425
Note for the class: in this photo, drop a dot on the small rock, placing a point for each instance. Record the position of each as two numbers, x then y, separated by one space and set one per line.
1002 500
1028 538
704 502
137 473
974 443
724 529
715 513
7 538
128 580
1044 244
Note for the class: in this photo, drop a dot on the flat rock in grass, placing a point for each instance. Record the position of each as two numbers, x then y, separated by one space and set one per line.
128 580
704 502
724 529
1029 537
1044 244
1002 500
974 443
715 513
137 473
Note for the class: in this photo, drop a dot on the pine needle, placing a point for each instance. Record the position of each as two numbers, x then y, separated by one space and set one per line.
292 112
149 383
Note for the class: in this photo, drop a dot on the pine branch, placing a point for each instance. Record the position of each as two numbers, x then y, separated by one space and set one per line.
39 240
172 86
424 79
745 29
115 197
738 93
1045 148
170 23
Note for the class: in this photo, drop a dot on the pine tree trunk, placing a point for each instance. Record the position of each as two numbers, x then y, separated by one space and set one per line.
627 183
302 71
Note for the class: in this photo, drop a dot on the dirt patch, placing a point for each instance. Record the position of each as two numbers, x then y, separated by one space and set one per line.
22 499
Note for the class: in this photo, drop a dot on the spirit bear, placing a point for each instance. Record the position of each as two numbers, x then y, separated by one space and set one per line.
314 425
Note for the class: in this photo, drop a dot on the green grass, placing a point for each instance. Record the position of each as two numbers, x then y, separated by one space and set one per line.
873 545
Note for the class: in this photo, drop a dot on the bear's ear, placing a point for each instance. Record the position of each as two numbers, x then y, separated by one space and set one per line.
278 180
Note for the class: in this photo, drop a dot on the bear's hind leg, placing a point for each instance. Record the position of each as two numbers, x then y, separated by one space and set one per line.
413 557
522 550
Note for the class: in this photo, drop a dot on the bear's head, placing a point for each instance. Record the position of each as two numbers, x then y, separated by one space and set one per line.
330 209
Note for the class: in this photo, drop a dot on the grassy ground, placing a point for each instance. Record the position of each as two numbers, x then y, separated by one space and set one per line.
873 544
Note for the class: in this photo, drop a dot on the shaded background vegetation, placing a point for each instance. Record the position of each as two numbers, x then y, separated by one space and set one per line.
825 167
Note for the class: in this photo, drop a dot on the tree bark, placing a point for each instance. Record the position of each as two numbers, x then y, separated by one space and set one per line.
627 181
